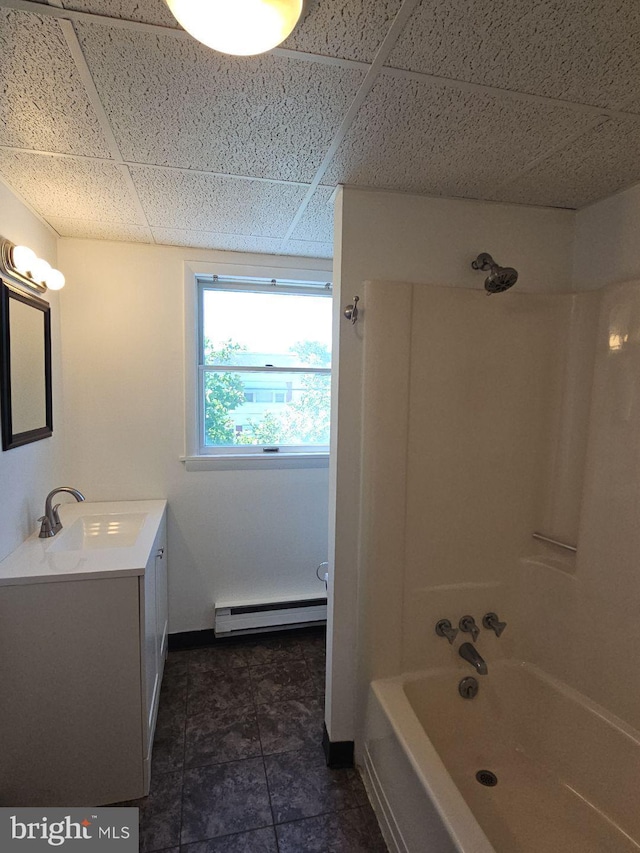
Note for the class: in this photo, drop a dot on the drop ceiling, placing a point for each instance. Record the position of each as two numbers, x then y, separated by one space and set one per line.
117 125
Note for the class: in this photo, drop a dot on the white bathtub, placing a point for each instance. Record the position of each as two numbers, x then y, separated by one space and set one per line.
568 772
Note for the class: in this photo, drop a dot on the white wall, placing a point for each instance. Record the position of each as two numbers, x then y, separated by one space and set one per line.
244 533
28 473
607 247
383 236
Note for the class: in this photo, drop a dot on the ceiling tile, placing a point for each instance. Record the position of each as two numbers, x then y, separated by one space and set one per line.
348 29
149 12
174 102
585 53
210 240
419 137
43 104
173 199
70 187
317 221
67 227
598 164
238 243
308 249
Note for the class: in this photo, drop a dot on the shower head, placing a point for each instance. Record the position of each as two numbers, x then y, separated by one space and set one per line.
499 278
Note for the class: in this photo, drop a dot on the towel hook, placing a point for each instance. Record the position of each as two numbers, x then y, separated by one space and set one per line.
351 311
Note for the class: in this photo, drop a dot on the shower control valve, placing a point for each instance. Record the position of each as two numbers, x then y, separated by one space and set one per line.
444 628
468 626
491 621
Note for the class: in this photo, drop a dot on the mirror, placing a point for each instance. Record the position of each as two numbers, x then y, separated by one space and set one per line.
25 367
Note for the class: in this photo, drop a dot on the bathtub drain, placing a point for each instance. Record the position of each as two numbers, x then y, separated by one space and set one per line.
486 777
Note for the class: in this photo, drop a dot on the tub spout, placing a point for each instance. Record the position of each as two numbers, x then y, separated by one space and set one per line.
469 653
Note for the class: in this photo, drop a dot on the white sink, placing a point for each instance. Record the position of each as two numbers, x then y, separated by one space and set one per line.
93 532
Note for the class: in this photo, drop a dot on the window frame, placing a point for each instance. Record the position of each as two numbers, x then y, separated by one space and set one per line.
250 284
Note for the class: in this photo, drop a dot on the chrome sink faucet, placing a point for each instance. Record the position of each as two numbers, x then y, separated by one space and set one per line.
469 653
51 523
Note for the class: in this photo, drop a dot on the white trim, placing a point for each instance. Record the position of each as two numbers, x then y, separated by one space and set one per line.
254 461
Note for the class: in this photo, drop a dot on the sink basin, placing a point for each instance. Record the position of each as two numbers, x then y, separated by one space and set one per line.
93 532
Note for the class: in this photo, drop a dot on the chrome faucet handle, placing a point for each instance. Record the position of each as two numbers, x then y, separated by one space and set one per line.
46 531
468 626
491 621
55 515
444 628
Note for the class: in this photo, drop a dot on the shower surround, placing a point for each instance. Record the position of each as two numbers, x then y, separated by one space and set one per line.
484 420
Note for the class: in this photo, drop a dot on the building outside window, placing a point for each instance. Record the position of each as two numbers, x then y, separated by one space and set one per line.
264 366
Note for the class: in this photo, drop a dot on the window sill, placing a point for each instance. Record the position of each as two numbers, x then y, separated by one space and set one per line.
255 461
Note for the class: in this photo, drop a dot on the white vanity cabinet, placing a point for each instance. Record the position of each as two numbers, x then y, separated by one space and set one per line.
83 639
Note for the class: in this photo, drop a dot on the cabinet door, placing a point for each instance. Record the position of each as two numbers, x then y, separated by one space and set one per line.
150 663
162 607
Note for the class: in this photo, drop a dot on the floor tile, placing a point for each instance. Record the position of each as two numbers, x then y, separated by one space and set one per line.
357 786
257 841
223 799
176 662
160 813
221 656
314 647
301 785
272 650
344 832
172 705
286 726
228 735
281 681
218 691
168 746
317 669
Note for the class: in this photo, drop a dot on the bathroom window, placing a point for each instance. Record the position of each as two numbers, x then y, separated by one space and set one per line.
264 366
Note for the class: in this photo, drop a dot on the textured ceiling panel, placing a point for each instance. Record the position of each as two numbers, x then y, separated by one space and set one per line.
99 230
208 240
235 243
582 52
348 29
198 202
43 103
147 11
65 187
420 138
317 221
173 102
308 249
603 161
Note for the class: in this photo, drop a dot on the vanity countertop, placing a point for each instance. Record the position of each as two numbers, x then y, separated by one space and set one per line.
97 540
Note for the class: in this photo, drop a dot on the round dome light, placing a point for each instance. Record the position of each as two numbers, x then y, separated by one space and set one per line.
40 271
55 280
238 27
23 259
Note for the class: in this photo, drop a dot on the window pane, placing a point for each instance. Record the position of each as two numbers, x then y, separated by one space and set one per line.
266 408
241 328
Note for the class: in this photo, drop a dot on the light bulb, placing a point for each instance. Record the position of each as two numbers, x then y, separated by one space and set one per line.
55 280
23 259
40 271
238 27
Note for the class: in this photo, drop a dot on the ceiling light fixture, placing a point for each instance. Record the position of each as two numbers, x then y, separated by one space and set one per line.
22 265
238 27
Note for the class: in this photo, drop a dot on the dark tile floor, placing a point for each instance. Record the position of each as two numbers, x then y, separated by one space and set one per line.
238 765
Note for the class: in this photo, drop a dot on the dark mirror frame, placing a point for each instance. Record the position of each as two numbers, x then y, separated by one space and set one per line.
9 439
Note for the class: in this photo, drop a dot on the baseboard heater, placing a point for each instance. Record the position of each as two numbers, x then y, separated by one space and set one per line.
242 617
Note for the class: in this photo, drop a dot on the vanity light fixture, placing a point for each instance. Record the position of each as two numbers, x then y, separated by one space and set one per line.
238 27
21 264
